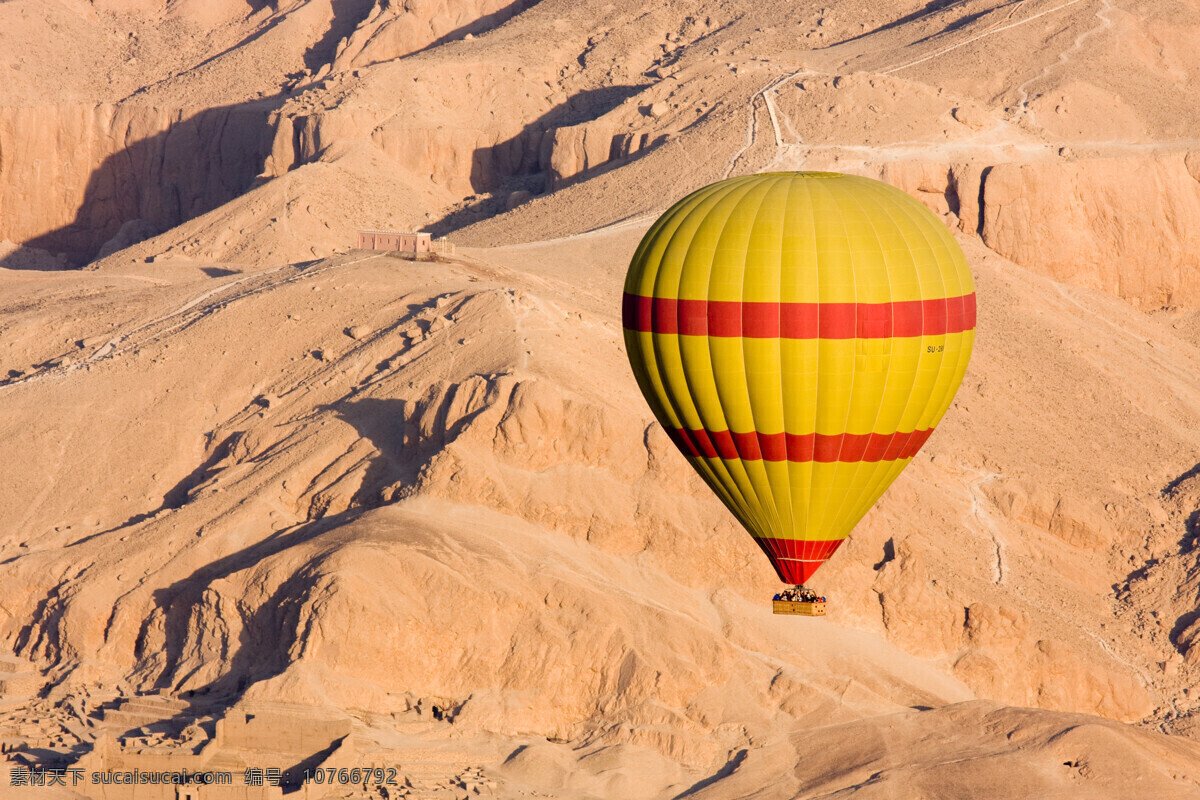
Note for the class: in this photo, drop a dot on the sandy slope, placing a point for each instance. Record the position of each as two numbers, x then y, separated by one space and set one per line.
487 408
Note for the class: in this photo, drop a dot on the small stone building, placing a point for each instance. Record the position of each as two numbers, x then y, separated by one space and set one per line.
395 241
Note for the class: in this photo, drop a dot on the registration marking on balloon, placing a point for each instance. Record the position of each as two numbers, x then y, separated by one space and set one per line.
799 336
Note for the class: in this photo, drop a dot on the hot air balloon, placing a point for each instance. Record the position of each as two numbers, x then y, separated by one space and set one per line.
799 335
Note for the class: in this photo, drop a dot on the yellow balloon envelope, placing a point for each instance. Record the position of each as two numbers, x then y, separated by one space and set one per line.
799 336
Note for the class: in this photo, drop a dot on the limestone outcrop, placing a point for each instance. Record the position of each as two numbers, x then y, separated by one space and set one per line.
1127 225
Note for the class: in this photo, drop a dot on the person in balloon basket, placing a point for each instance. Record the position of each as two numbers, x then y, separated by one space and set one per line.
799 594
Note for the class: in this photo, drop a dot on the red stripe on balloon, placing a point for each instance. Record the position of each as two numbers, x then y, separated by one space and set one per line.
802 549
795 560
756 320
820 447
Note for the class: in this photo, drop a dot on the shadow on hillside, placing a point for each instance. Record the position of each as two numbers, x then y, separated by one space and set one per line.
347 16
483 24
522 162
926 10
727 769
267 632
404 451
195 164
382 422
260 652
1184 492
188 167
475 27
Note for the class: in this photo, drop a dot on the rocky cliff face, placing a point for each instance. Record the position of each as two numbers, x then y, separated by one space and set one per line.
72 176
1125 225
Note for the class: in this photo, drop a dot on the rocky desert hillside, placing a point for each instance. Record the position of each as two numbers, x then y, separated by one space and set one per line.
246 466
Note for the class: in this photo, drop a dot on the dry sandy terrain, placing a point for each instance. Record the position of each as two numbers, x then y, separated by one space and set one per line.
417 515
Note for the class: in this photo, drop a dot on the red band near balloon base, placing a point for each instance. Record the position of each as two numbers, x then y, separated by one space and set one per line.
795 560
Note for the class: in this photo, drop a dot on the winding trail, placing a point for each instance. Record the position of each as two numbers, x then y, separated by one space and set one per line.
751 133
1024 111
990 140
767 94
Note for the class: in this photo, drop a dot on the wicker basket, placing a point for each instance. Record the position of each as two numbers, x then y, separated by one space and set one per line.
805 609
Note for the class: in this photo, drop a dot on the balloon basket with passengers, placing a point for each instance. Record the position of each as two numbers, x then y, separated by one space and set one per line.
799 335
799 600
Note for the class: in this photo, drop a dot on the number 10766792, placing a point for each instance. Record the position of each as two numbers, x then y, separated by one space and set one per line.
352 776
